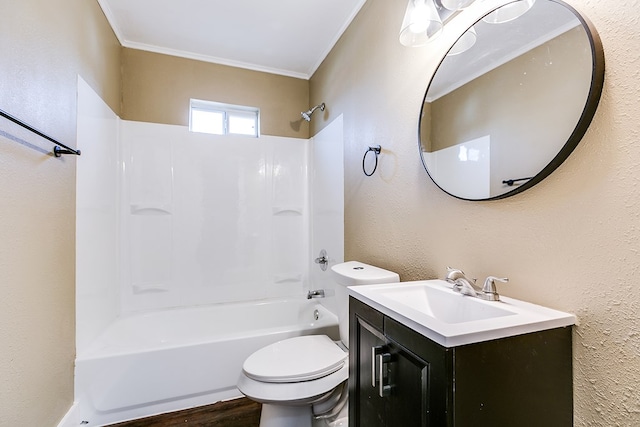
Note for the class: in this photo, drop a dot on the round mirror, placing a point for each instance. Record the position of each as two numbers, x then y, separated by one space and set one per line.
502 113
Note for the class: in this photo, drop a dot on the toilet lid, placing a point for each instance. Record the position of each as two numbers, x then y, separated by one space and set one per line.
295 359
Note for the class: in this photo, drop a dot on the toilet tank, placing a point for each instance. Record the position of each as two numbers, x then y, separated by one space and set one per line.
354 273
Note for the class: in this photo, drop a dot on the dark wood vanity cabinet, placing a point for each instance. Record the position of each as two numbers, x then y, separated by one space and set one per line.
398 377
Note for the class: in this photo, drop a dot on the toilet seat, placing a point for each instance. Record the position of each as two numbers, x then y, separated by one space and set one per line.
292 394
296 359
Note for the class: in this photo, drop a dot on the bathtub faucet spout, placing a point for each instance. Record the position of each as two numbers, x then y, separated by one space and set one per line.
318 293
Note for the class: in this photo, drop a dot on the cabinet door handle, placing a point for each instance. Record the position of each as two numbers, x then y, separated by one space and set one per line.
384 389
375 351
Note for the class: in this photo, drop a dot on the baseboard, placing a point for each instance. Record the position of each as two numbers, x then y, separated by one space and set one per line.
71 417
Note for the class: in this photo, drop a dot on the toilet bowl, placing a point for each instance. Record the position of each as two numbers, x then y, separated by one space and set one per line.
302 381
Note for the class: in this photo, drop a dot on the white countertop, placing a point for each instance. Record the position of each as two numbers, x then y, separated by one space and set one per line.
433 309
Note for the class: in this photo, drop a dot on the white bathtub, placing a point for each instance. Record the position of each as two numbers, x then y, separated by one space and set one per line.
168 360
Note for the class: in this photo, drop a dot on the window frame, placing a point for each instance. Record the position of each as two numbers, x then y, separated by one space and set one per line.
226 110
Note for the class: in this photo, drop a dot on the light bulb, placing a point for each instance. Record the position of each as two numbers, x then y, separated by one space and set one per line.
421 23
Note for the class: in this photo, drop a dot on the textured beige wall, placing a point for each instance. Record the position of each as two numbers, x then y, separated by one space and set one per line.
43 46
157 88
571 243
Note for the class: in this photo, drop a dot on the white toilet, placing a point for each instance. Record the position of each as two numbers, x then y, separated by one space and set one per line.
302 379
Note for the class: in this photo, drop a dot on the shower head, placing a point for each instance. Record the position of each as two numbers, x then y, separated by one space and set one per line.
307 114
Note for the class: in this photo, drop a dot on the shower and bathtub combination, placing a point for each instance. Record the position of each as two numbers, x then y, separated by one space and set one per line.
163 360
193 252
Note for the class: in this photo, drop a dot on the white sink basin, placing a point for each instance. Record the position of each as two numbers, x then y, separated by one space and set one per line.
442 305
433 309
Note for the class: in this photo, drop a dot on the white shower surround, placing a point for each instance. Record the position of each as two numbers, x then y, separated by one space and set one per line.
172 221
209 219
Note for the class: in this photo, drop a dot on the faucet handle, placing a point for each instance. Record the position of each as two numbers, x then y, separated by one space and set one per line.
490 284
453 274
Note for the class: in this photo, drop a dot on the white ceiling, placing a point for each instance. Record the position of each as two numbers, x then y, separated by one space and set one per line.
288 37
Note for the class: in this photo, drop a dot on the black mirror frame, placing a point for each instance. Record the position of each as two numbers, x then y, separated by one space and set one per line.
591 105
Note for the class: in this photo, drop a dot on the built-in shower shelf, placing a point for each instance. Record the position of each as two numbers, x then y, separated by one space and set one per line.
287 278
287 210
149 210
149 288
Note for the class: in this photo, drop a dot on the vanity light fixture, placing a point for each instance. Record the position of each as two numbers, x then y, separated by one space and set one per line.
423 20
421 23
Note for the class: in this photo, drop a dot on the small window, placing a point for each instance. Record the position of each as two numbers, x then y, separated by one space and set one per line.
223 119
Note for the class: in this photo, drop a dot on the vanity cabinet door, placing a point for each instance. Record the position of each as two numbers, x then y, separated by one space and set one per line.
392 383
367 346
407 403
397 378
422 379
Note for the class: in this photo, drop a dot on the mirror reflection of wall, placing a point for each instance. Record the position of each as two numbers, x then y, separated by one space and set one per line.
529 106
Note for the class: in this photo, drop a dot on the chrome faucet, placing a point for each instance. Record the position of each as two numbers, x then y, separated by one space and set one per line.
461 283
468 287
454 274
318 293
489 291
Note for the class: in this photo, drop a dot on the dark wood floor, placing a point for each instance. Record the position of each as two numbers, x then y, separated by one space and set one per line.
234 413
